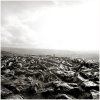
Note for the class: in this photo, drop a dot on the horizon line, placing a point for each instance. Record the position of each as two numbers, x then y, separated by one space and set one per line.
51 49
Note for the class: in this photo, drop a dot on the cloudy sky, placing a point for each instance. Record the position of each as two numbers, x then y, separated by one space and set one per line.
70 24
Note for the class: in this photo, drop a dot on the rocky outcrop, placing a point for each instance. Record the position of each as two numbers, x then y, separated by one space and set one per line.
39 77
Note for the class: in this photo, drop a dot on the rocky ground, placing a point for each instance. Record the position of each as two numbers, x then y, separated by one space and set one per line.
48 77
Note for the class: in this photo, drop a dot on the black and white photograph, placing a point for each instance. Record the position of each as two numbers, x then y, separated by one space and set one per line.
50 49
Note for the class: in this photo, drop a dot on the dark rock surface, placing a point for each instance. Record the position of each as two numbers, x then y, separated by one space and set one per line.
48 77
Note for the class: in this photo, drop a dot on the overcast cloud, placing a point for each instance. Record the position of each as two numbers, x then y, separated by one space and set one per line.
51 24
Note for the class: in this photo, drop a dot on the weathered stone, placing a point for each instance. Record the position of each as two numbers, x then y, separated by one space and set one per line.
46 93
73 84
19 72
67 76
5 92
85 95
62 88
90 85
80 78
4 79
10 64
49 77
7 71
84 75
95 94
76 91
33 88
15 97
62 96
19 65
11 86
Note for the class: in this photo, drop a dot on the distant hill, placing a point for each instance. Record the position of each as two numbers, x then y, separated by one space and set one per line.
6 53
61 53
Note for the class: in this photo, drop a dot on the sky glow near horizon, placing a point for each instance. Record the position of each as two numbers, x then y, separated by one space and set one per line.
51 25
